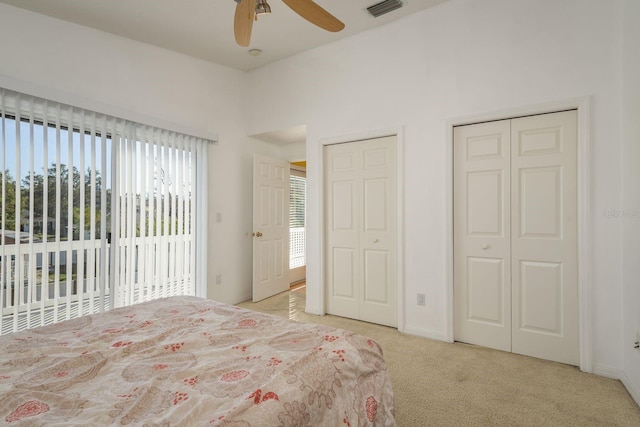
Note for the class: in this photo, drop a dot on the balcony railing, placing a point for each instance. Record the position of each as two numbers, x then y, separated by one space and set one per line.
47 282
297 256
38 288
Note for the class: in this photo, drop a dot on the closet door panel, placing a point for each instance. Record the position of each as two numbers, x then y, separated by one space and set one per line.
342 273
544 237
378 231
482 285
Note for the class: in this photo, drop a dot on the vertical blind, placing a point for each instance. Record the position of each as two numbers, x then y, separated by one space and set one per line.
156 214
96 212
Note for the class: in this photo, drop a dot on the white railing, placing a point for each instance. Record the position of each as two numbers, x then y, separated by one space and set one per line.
43 283
297 256
159 267
27 267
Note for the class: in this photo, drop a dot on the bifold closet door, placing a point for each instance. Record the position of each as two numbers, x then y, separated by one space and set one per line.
515 235
360 223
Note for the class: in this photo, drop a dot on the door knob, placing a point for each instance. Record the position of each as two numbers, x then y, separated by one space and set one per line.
258 234
376 241
485 247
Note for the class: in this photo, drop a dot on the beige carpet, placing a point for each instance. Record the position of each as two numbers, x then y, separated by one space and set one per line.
440 384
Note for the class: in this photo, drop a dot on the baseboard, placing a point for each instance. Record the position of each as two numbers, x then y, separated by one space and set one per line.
607 371
633 389
425 333
619 374
243 299
313 310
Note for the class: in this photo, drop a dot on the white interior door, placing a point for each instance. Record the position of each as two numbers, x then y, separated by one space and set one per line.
515 236
544 237
482 252
360 218
270 227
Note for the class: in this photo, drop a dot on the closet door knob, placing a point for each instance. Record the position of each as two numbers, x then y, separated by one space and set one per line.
485 247
376 241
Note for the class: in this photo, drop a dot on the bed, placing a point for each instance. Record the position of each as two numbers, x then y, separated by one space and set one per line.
190 361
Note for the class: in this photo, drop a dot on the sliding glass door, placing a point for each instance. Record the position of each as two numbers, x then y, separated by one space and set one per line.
96 212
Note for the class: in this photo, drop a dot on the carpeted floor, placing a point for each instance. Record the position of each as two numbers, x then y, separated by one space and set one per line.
441 384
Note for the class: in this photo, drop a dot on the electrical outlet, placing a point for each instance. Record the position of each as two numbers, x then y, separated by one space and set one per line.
421 299
218 279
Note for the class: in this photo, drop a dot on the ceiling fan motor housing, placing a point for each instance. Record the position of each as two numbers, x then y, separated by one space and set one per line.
247 10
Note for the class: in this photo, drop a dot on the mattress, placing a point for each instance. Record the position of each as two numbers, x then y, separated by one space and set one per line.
190 361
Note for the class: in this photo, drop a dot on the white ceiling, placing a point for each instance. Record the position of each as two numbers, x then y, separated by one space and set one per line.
204 28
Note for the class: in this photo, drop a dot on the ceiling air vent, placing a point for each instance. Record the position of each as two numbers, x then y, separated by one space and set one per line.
383 7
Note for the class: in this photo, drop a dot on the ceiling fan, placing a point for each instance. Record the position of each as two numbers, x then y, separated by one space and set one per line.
248 10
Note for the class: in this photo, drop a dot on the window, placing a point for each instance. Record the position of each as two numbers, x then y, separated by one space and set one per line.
297 201
96 212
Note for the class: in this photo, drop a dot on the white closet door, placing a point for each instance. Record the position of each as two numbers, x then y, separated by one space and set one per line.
360 218
544 237
515 236
482 263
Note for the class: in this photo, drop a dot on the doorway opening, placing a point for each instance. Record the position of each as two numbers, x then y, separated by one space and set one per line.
297 224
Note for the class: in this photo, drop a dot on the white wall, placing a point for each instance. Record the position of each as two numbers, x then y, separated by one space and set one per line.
462 57
96 70
231 244
631 195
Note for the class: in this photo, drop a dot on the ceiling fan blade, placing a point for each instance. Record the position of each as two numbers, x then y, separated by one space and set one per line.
243 21
315 14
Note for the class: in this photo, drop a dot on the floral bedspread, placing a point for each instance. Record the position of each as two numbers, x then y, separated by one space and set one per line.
186 361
